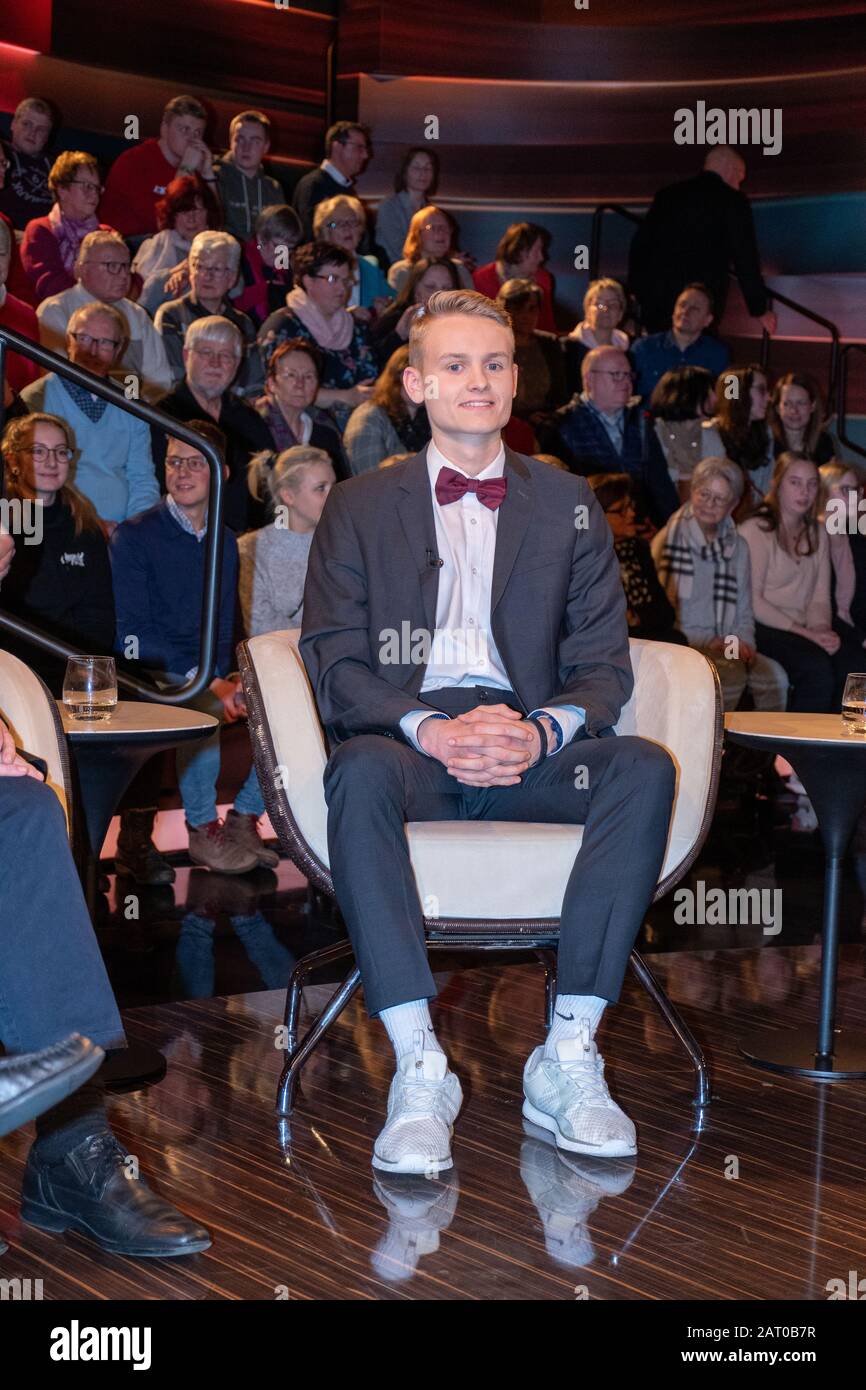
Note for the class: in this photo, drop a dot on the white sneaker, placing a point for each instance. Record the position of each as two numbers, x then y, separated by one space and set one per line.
423 1103
418 1209
570 1098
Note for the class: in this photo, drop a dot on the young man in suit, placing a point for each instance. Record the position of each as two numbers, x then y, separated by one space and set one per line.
507 566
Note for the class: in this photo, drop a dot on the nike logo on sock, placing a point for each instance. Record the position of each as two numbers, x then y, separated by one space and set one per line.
568 1018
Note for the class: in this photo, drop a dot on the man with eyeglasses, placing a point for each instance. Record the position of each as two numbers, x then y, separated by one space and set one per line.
114 466
602 431
158 564
26 193
687 343
103 274
139 177
348 145
214 262
245 189
212 356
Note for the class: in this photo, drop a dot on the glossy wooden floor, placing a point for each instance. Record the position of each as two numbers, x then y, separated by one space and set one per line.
513 1220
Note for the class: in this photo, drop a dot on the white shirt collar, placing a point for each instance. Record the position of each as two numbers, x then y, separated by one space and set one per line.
335 174
436 460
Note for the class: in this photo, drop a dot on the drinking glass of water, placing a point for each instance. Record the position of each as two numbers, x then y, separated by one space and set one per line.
90 687
854 704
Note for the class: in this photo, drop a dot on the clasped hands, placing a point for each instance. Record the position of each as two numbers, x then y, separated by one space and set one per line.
489 746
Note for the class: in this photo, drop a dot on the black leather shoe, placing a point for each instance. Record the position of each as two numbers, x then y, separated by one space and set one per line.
88 1191
33 1082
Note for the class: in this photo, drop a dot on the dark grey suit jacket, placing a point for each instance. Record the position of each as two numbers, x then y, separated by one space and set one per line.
558 613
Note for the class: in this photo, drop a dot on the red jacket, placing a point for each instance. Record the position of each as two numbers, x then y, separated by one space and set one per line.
486 280
16 281
136 181
20 371
42 262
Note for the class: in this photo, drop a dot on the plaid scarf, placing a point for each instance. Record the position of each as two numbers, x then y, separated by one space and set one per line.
677 568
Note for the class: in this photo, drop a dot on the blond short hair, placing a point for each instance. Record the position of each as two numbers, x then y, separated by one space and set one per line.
447 302
597 287
328 209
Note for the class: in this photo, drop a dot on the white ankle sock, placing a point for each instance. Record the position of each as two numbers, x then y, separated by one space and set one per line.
569 1011
403 1021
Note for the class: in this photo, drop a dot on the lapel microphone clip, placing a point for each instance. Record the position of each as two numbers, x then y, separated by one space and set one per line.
433 561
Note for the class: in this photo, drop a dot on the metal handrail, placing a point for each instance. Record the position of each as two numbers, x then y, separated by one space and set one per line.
595 233
773 295
171 695
842 398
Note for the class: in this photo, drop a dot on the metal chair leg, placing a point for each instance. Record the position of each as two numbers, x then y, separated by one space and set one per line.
548 960
678 1027
298 979
288 1086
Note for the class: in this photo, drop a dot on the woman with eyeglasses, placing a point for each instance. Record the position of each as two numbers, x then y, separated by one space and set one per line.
739 430
521 255
342 221
391 329
266 263
50 246
316 310
60 579
604 306
703 563
432 234
288 405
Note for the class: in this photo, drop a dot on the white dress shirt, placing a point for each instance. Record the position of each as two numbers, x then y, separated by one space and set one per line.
463 651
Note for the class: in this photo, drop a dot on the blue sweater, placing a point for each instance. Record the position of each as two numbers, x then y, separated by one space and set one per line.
114 467
158 574
657 354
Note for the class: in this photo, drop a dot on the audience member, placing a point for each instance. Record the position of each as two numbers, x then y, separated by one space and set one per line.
704 565
316 310
842 483
273 560
680 404
26 193
739 431
266 265
139 177
17 315
695 231
348 146
604 306
797 418
113 465
540 362
415 185
102 271
51 243
189 207
212 356
341 221
288 408
432 235
686 343
391 329
77 1174
214 261
790 557
62 584
245 189
390 422
157 561
599 431
522 251
649 612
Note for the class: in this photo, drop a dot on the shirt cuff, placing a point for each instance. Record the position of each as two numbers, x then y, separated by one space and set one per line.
411 722
566 720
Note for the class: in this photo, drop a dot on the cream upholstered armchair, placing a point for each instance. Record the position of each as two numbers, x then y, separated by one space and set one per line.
28 709
500 891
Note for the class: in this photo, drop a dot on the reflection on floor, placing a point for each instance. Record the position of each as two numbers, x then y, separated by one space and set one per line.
766 1202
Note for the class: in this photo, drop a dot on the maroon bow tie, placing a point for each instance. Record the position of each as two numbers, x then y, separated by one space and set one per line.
451 486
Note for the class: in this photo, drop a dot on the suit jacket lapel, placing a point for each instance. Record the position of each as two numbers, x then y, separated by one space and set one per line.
514 517
415 510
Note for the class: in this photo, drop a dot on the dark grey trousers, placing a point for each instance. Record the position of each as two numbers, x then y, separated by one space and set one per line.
375 784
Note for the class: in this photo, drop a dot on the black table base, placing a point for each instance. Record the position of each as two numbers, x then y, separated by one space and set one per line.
791 1051
132 1068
